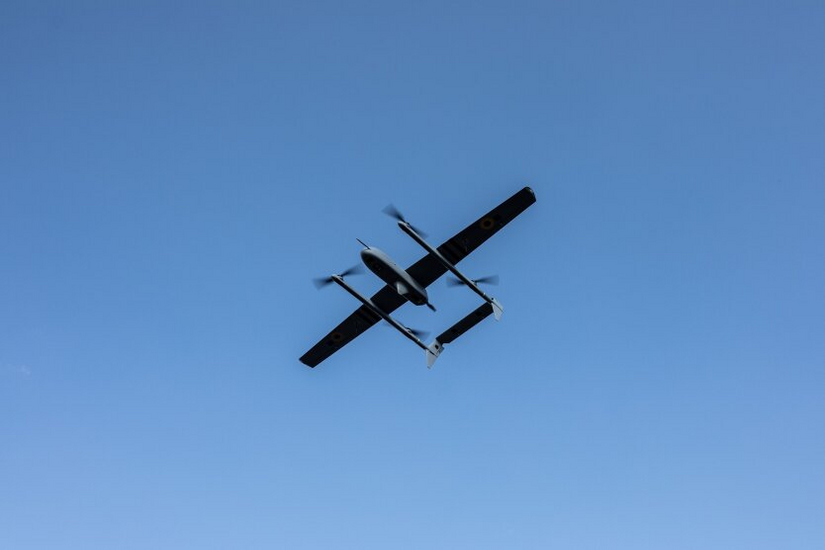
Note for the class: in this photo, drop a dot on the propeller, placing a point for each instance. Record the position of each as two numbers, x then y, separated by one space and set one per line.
420 334
393 212
321 282
489 280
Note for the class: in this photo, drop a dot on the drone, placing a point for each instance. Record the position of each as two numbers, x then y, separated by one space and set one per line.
410 285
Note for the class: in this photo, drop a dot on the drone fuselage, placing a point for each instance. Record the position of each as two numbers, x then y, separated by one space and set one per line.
391 273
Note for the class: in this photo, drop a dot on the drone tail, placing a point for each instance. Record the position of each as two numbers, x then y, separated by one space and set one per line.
433 351
498 309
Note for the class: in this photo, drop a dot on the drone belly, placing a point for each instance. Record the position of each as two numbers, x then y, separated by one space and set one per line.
380 264
410 289
389 272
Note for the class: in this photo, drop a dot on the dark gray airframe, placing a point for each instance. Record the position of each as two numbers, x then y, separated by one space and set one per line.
410 284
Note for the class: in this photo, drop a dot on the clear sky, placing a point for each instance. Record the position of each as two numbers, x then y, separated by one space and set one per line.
173 175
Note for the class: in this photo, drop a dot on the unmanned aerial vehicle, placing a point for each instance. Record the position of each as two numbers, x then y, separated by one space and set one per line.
410 285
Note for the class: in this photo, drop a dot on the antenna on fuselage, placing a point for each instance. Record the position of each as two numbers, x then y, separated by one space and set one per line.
365 245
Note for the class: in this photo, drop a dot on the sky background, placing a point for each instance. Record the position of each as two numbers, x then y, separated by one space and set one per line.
173 175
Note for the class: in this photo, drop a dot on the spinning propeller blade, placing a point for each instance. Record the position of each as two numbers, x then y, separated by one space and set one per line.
391 211
321 282
421 334
489 280
354 270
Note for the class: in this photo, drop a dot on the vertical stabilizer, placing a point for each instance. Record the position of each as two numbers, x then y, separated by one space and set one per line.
433 351
498 309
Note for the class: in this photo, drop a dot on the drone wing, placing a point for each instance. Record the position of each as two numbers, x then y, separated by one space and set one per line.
387 299
428 269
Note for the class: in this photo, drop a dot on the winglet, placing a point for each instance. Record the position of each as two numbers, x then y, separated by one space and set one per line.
498 309
433 351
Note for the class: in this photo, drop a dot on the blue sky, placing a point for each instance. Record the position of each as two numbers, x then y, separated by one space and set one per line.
172 177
